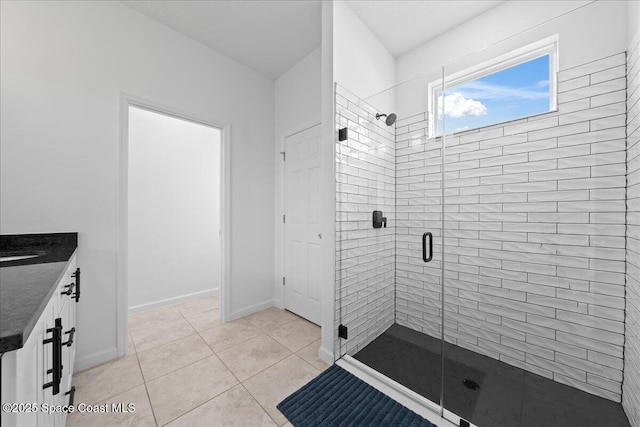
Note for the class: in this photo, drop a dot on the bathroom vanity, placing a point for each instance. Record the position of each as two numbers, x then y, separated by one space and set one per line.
39 290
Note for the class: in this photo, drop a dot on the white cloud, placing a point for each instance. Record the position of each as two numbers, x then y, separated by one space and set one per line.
456 105
482 90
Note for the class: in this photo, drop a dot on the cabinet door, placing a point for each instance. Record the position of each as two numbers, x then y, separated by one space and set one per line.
68 352
67 313
66 337
45 363
27 377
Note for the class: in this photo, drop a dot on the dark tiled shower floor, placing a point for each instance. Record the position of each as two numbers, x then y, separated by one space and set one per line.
508 396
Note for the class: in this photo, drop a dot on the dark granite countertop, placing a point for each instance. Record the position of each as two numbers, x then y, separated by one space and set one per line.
26 285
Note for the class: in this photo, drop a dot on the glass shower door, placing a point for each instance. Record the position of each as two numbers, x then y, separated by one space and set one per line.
365 223
407 349
389 275
415 336
499 277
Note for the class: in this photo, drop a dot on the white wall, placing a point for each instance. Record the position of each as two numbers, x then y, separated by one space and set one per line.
484 37
63 66
297 107
327 185
578 43
174 209
297 94
633 21
361 63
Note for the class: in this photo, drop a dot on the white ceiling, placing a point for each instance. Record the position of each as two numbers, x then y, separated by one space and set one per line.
269 36
402 25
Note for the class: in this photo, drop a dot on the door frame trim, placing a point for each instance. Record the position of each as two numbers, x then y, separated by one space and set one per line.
122 298
279 267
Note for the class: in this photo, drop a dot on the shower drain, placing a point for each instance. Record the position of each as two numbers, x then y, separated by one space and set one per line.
471 384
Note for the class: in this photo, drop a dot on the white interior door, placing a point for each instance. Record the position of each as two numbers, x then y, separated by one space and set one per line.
302 224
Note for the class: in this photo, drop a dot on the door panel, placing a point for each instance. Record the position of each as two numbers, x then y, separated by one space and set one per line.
302 226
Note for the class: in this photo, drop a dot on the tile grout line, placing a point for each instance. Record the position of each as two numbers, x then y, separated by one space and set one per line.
259 404
146 389
168 342
144 380
163 343
242 383
262 370
254 398
188 364
221 361
214 353
130 389
261 331
136 354
293 353
120 392
239 383
142 372
234 345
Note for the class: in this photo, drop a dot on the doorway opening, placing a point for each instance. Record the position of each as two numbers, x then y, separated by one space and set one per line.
173 209
173 226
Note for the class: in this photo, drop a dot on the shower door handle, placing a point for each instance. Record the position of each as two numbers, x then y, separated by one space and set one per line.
424 247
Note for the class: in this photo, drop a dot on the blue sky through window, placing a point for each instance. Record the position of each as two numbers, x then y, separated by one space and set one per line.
515 92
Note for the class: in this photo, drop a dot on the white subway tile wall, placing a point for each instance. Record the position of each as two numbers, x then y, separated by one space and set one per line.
631 383
365 181
534 232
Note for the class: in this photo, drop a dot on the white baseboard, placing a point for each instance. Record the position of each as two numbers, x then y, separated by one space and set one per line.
175 300
326 355
95 359
251 309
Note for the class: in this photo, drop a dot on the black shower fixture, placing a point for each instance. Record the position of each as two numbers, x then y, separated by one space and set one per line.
378 220
391 118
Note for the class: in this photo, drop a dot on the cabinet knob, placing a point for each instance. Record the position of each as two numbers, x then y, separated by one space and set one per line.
69 288
72 394
71 334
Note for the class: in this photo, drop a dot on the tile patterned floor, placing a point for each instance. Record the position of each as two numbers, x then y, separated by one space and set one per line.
185 367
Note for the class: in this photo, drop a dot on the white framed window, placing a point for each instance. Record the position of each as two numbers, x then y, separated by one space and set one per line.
515 85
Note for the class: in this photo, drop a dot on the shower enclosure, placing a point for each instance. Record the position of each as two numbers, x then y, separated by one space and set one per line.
495 289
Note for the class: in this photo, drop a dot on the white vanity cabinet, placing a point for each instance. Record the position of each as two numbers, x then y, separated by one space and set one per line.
41 371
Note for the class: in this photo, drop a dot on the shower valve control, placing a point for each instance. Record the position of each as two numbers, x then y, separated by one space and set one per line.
379 220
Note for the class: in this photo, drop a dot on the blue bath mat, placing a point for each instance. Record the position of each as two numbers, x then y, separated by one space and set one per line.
337 398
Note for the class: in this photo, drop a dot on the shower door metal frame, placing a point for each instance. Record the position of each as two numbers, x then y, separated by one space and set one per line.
442 230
